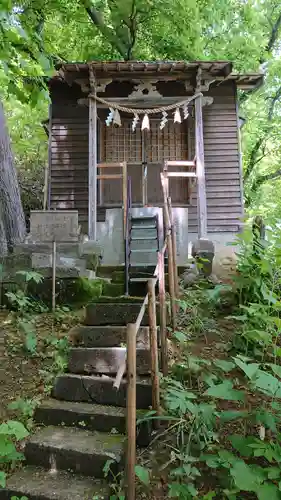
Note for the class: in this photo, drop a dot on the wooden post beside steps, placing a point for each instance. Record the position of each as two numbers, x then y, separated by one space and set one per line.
131 411
153 348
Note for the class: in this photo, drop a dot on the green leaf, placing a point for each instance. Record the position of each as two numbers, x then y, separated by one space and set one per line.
242 443
211 461
106 467
226 366
2 479
276 369
227 458
14 428
225 391
181 337
31 342
249 369
209 495
273 472
268 492
267 419
244 478
7 449
229 415
143 474
267 384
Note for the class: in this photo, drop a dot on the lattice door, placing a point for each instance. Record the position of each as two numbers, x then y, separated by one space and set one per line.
152 147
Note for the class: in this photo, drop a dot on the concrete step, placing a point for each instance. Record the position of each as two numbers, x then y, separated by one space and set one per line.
67 448
115 314
40 484
83 415
105 336
105 360
99 390
89 416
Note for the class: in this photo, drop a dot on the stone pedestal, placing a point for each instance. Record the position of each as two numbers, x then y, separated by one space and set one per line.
203 252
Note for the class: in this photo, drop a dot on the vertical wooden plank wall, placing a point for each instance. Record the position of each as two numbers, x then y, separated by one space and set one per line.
69 152
222 164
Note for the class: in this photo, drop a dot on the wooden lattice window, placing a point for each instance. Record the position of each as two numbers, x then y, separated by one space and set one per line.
155 145
152 147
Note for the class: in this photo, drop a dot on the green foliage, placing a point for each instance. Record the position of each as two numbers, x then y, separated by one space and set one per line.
87 289
143 474
195 398
24 409
19 299
256 290
116 480
11 432
19 498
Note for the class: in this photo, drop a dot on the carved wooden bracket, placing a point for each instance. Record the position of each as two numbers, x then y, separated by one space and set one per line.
145 90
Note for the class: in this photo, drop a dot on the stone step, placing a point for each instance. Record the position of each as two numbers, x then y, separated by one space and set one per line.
105 336
83 415
68 448
105 360
115 314
89 416
100 390
40 484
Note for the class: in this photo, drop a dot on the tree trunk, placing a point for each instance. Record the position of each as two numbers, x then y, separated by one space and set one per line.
12 223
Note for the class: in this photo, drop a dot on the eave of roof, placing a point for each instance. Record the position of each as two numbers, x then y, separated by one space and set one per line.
216 70
219 68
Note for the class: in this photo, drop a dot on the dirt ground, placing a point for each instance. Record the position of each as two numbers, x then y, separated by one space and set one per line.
20 373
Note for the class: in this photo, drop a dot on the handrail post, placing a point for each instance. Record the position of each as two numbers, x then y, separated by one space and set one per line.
153 347
167 226
174 246
163 320
131 411
125 194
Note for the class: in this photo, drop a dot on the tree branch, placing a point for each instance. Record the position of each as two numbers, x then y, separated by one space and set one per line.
107 32
274 34
261 141
265 178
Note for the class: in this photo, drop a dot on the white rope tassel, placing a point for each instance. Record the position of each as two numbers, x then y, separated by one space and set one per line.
109 119
163 120
185 110
145 123
177 116
135 122
117 118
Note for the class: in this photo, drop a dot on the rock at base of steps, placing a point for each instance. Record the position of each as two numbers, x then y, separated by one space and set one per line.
105 336
100 390
39 484
105 360
90 416
81 451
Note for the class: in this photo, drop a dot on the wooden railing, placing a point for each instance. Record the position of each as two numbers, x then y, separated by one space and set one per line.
124 176
149 303
129 360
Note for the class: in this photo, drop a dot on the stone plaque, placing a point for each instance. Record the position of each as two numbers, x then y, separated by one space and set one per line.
54 225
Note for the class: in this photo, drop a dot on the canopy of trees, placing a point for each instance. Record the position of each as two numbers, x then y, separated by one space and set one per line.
38 33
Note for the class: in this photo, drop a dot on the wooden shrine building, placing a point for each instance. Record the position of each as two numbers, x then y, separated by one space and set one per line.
112 127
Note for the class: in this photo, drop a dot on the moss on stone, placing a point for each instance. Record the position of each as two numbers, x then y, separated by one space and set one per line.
118 277
92 261
123 299
113 289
